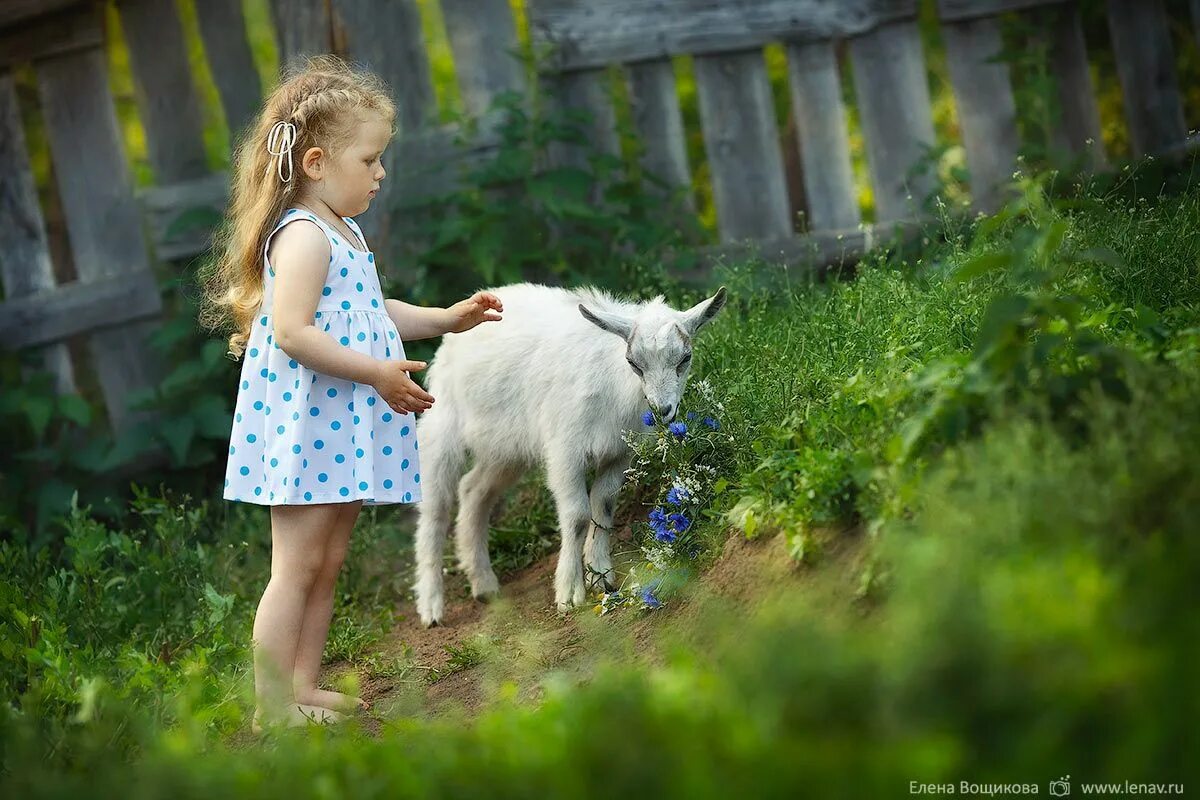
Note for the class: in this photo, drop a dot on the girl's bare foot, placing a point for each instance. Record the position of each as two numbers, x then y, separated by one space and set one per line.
296 715
332 700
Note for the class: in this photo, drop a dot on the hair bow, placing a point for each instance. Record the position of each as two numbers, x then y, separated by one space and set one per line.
279 144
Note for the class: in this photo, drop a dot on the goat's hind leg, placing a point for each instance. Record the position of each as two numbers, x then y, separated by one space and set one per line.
597 551
478 492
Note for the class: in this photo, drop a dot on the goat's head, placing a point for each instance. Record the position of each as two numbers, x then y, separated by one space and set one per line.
658 346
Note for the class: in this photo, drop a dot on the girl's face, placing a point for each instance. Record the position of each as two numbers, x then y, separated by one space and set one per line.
348 180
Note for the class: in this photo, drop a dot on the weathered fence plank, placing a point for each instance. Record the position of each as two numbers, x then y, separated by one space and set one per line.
595 33
483 37
987 112
223 30
821 129
15 12
893 101
103 223
963 10
77 28
389 41
167 99
585 91
25 267
180 215
302 28
742 143
1079 128
1146 66
659 122
54 314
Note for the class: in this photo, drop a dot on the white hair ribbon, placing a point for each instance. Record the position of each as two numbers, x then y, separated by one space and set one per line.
279 144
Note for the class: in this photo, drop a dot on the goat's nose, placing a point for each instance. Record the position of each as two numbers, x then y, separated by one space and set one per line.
666 412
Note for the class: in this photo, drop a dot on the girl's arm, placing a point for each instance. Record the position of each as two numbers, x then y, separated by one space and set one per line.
300 257
418 322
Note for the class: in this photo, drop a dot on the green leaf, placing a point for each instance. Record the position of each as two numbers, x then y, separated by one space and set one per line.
39 410
982 264
212 417
193 219
75 408
1002 315
179 433
132 443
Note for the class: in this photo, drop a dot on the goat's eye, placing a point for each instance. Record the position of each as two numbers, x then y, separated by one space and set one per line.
636 368
684 362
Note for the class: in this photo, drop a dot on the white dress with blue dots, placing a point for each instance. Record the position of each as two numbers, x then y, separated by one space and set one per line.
302 437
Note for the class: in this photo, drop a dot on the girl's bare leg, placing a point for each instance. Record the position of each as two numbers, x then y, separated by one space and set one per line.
299 537
318 613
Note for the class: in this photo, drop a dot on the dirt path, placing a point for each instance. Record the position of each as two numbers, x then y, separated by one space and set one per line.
512 646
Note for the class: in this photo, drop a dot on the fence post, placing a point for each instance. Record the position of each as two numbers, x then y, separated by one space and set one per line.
587 91
223 29
893 100
742 143
389 41
1079 131
25 267
170 110
1146 66
103 222
987 111
821 129
483 37
302 28
659 122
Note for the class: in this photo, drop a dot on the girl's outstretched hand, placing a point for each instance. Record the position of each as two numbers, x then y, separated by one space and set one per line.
398 390
479 307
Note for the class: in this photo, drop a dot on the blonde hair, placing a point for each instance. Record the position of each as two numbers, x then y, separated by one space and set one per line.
320 100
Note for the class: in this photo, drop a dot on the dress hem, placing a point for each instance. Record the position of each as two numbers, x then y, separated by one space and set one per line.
368 500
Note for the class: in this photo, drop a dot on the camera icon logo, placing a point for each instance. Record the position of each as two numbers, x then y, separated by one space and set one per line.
1061 787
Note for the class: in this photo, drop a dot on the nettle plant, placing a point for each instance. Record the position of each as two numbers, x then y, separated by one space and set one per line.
685 460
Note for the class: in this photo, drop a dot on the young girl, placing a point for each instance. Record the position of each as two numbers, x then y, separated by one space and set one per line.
322 423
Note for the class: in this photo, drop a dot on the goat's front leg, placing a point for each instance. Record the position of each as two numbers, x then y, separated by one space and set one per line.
597 551
566 475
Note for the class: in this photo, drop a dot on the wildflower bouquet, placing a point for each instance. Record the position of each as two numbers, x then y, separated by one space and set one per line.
684 460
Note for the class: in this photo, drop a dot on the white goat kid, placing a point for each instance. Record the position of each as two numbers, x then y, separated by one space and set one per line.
544 385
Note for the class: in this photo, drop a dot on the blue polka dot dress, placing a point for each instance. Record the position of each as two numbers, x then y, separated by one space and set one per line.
301 437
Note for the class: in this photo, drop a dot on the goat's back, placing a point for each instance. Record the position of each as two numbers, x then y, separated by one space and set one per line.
513 384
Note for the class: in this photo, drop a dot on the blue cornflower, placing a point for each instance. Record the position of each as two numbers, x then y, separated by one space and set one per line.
657 515
649 600
691 415
680 522
676 495
712 423
648 417
664 534
678 429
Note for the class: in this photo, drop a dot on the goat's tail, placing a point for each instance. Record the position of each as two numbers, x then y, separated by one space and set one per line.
443 458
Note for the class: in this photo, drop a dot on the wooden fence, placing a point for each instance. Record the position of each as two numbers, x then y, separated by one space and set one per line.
115 302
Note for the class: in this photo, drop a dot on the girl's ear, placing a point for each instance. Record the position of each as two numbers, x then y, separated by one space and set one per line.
313 163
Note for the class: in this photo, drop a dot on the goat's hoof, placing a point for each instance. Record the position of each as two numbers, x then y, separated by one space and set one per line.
486 587
433 623
602 581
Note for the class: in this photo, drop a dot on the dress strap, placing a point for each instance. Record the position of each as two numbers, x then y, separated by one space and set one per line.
289 216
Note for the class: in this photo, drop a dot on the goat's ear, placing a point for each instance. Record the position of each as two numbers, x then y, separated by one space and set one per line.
612 323
696 316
